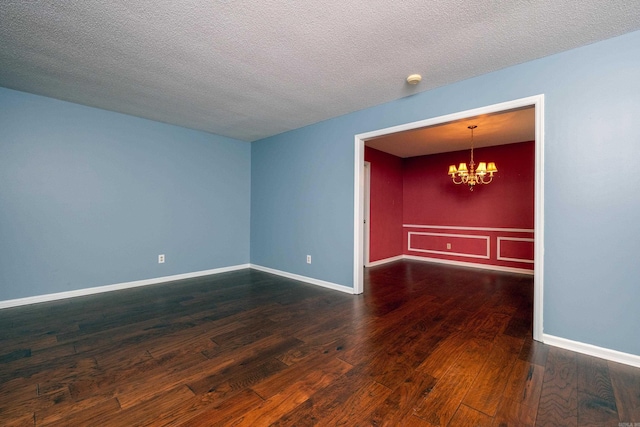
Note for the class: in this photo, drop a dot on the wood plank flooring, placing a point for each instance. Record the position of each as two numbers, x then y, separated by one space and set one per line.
425 345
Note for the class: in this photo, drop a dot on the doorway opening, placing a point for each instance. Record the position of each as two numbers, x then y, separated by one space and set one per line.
537 102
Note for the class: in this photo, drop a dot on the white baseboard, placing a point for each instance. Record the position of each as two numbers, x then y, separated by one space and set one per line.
116 287
470 264
385 261
306 279
592 350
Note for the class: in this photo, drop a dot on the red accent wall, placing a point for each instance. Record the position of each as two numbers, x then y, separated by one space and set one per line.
432 200
386 204
430 197
439 211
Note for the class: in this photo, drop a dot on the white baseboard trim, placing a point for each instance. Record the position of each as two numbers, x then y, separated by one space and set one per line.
306 279
116 287
592 350
385 261
470 264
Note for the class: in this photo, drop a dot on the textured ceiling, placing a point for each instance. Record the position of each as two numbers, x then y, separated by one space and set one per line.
248 69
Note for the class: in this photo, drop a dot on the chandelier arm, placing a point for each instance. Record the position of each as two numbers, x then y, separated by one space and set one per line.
486 181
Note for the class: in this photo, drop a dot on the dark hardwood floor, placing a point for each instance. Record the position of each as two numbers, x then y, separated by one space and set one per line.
426 345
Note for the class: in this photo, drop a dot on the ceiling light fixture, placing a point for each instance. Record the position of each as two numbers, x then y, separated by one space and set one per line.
414 79
472 176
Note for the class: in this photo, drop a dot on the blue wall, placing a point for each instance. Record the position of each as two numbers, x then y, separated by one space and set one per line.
90 197
302 185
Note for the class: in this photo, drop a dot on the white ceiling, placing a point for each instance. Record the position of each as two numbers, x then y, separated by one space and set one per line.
248 69
492 129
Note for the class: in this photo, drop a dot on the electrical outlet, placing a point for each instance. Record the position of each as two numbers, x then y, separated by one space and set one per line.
448 245
161 259
308 259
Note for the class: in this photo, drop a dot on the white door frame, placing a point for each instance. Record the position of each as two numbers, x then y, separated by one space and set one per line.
366 223
358 201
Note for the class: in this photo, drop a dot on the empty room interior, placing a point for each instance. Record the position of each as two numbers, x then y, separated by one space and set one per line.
335 213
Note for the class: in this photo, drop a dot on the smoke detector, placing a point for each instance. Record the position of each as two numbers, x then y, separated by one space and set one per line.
414 79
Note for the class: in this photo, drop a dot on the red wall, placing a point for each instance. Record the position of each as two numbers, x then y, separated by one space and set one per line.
386 205
430 197
490 225
487 225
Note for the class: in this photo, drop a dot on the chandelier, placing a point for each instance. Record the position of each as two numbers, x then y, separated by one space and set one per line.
472 176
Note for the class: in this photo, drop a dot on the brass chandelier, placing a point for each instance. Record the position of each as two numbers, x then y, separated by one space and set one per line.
472 176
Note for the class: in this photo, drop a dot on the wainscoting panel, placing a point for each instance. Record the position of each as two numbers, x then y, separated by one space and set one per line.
492 246
465 245
518 249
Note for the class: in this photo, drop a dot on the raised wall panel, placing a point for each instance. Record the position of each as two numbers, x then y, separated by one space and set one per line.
516 249
471 246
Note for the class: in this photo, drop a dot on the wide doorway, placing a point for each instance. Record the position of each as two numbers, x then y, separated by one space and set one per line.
536 104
